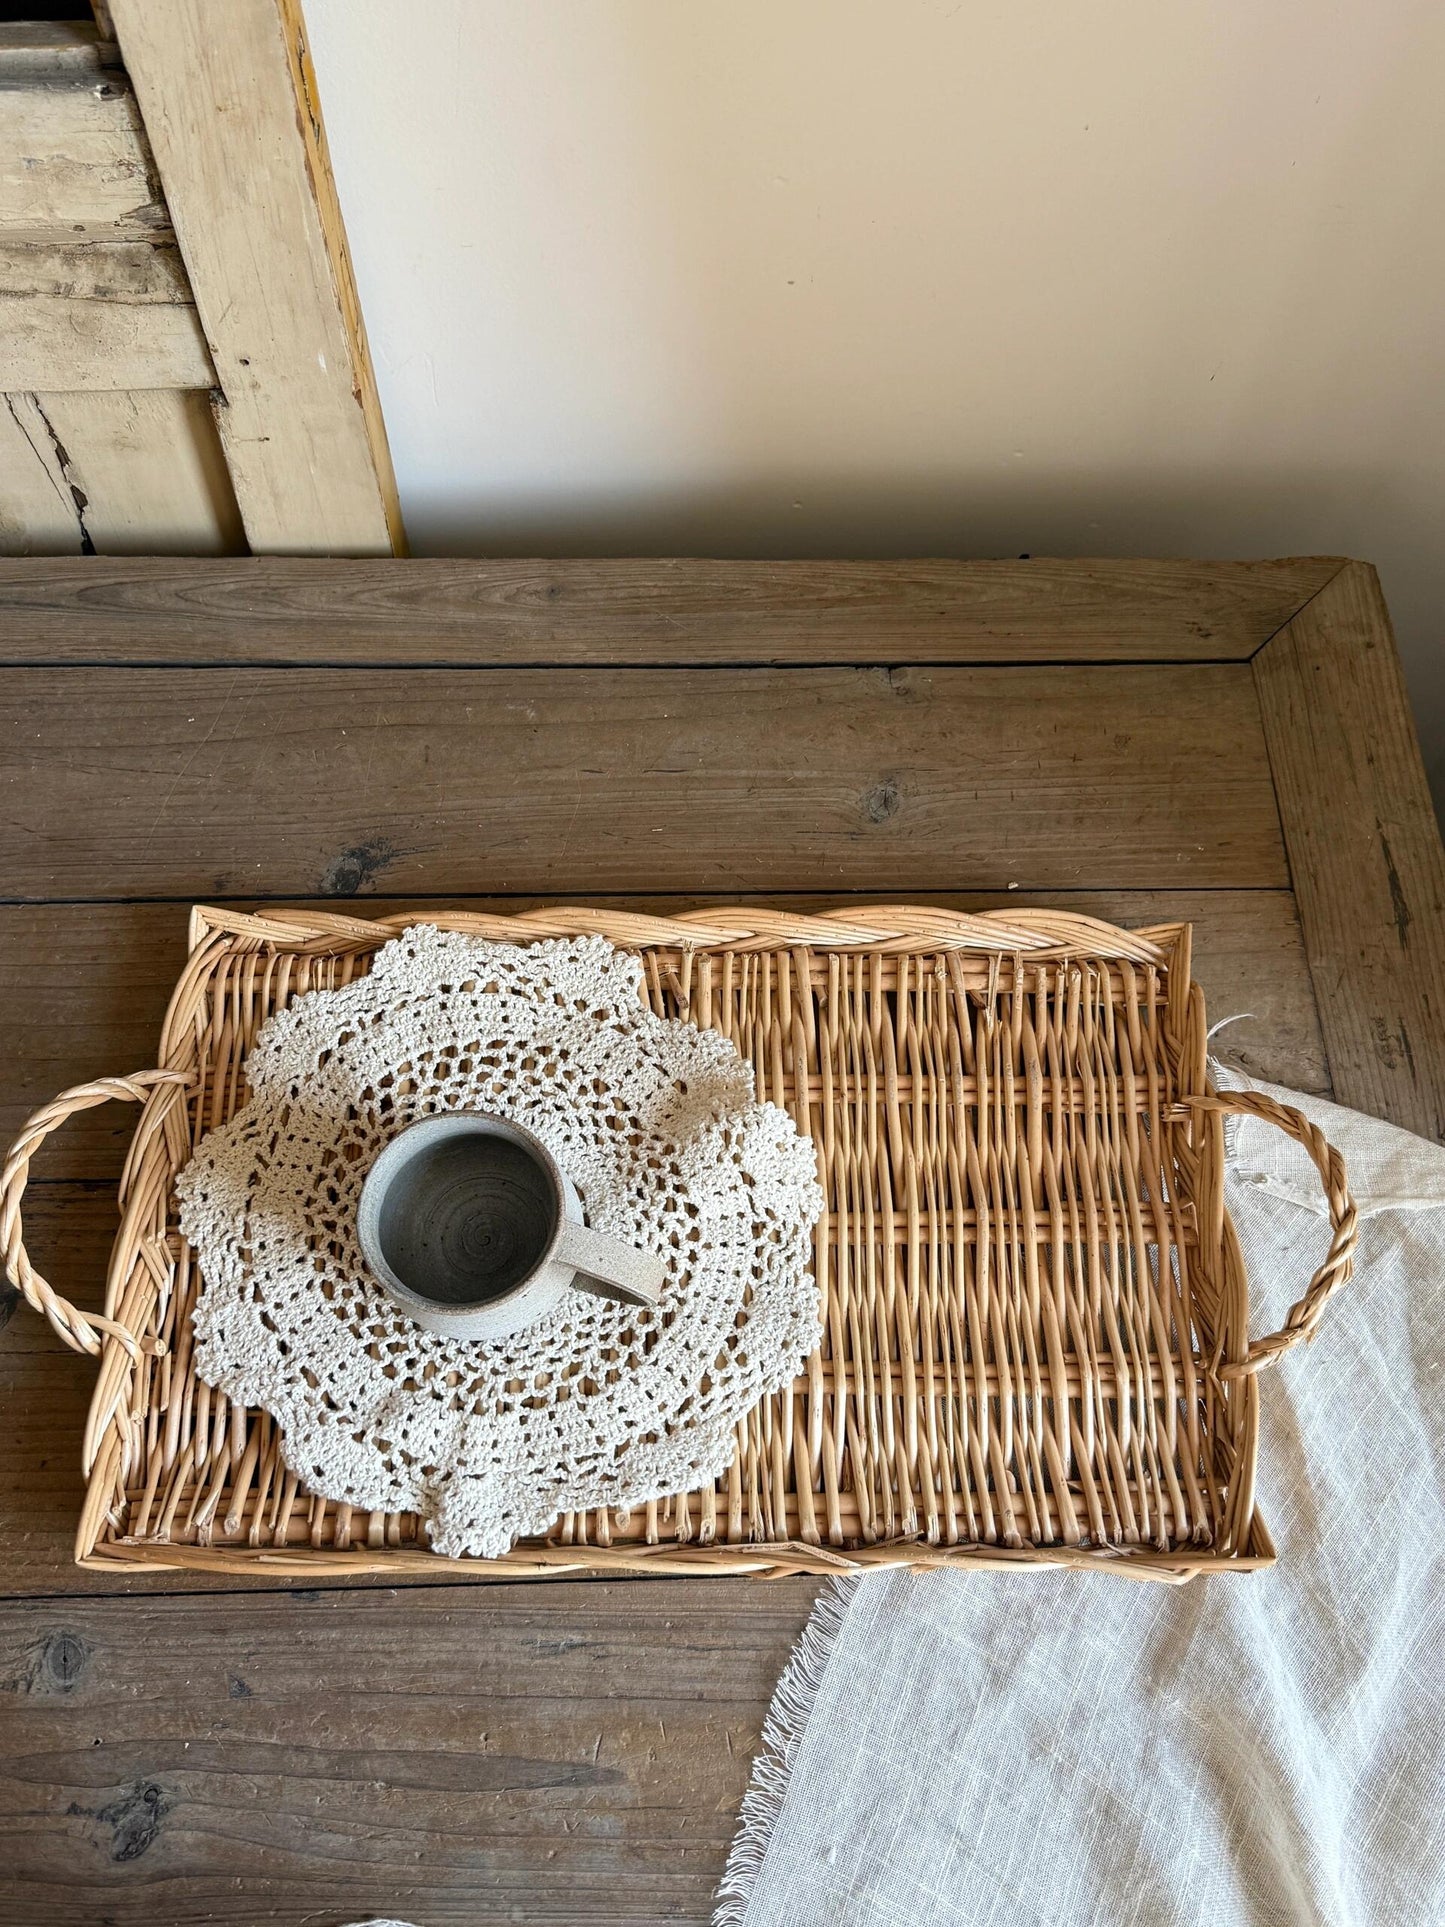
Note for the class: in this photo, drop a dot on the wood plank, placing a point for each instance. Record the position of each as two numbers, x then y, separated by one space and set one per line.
689 612
333 1758
109 472
139 273
114 314
75 164
228 95
192 783
38 515
46 1398
54 50
83 989
1364 849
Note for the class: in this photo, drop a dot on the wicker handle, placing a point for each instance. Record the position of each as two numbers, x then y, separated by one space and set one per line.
1304 1316
82 1330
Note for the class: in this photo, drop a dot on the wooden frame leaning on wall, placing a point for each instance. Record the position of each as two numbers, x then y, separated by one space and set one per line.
164 398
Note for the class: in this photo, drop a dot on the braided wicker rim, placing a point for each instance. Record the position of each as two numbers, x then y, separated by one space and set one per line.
179 1477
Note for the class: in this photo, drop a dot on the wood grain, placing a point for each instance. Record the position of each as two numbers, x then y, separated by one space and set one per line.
570 1753
107 315
44 1400
104 25
561 1755
112 472
193 783
228 96
74 162
1364 849
96 1006
54 50
688 612
38 513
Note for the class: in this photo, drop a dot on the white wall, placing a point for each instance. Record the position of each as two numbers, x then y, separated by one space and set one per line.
871 277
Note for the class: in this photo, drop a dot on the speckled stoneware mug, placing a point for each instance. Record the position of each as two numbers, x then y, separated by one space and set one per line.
470 1225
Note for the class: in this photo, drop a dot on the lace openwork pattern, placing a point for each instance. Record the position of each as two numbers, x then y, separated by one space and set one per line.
600 1404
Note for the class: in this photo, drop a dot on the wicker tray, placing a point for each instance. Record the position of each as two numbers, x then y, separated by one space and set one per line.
1036 1347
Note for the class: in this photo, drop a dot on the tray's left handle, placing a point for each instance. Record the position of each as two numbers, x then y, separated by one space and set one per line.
1304 1315
80 1329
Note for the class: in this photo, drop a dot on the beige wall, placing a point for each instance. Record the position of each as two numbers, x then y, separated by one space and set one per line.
980 277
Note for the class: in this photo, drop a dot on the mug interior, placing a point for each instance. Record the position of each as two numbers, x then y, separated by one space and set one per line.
467 1217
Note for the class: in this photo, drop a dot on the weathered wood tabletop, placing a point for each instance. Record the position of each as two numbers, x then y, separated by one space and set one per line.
1227 743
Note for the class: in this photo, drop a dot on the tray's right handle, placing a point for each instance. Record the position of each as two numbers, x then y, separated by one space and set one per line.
79 1329
1304 1316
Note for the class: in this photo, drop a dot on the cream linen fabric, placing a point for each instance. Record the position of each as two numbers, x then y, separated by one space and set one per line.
1266 1751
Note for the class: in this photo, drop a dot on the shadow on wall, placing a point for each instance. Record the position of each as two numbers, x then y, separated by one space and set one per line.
815 277
974 516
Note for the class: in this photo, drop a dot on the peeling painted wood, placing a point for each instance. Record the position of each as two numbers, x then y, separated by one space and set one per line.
54 50
113 472
108 315
140 274
75 164
228 95
38 514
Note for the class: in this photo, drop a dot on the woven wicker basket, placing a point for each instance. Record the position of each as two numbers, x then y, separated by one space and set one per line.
1036 1347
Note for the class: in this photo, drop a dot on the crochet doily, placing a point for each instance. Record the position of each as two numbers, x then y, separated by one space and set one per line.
599 1404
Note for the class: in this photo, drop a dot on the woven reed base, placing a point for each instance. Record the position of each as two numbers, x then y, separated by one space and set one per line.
1036 1347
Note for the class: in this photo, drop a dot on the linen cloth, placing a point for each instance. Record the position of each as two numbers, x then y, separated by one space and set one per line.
1266 1750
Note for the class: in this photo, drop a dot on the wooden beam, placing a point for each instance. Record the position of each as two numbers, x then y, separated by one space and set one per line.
107 444
74 163
113 473
1364 848
55 50
184 782
687 612
99 315
38 513
231 110
571 1754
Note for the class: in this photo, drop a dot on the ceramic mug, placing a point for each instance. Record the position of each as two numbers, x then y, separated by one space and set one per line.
470 1225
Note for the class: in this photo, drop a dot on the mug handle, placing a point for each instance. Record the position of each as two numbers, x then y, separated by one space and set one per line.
619 1270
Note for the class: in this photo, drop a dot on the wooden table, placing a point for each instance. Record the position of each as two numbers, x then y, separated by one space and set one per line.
1145 741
